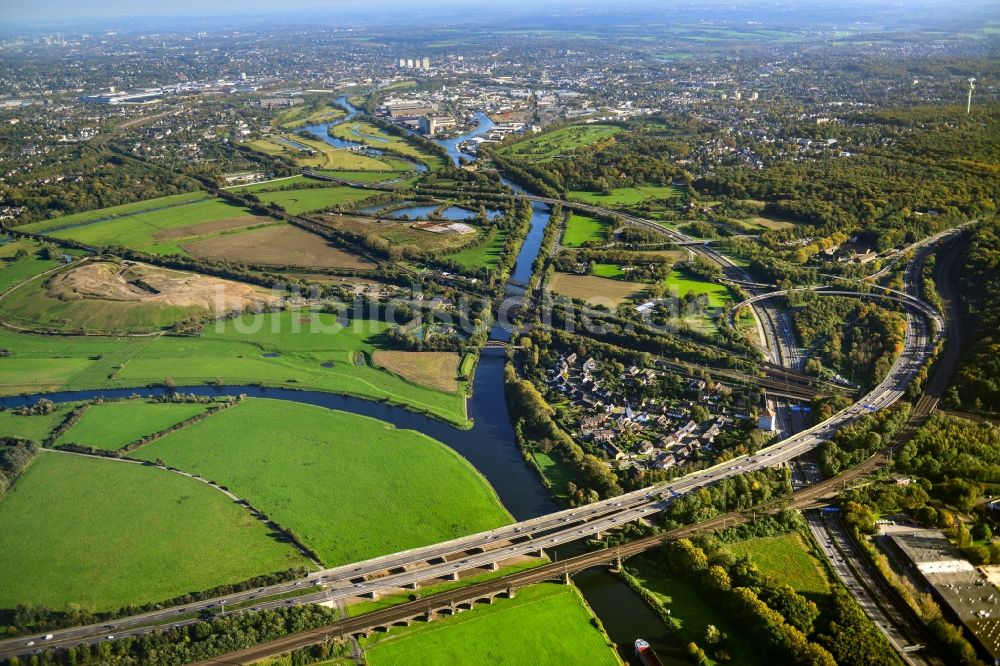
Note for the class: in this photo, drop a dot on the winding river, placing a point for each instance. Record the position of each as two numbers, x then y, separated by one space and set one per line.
489 445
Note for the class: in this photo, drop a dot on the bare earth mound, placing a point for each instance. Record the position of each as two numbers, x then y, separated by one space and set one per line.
276 246
214 226
438 370
139 283
595 290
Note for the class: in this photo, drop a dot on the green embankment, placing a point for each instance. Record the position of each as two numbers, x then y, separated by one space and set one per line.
544 625
350 487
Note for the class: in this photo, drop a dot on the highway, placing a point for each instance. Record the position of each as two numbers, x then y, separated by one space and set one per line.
490 549
869 590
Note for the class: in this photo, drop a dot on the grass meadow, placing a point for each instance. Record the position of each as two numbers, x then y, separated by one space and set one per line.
626 196
582 229
112 425
159 227
351 487
546 624
684 282
786 559
34 426
103 534
484 255
550 145
115 211
320 356
297 202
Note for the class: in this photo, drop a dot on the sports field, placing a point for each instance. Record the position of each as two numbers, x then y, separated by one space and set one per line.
351 487
583 229
102 534
545 625
626 196
112 425
550 145
596 290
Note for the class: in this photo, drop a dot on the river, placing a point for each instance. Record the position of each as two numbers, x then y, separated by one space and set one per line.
490 445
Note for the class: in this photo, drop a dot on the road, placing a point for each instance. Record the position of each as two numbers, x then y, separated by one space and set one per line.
492 548
870 591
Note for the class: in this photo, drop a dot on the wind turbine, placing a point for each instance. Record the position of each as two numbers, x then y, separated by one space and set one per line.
968 105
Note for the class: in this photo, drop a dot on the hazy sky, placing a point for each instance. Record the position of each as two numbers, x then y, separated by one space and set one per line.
55 10
52 11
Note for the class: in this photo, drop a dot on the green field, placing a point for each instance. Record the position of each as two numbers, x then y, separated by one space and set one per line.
47 363
300 116
318 154
148 231
786 559
15 271
115 211
366 133
692 612
609 271
544 625
581 229
112 425
351 487
297 202
271 185
103 534
36 427
484 255
626 196
684 282
550 145
233 354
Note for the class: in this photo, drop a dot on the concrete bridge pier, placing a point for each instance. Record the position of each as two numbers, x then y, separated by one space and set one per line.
566 579
492 566
538 553
511 593
453 575
412 586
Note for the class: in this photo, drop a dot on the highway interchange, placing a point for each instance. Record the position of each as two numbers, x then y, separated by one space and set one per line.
490 549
